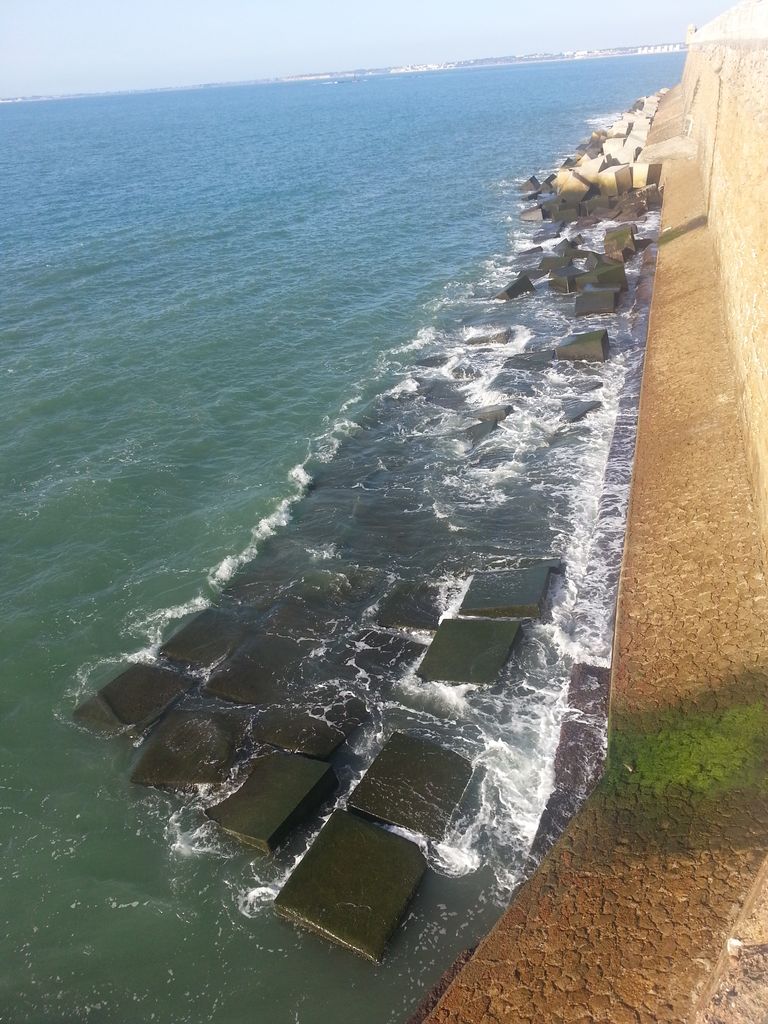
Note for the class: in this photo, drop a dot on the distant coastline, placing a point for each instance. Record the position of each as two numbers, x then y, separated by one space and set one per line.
361 73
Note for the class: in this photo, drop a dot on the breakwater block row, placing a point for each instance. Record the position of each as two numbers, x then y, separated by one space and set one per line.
354 884
132 701
470 651
280 792
511 594
414 784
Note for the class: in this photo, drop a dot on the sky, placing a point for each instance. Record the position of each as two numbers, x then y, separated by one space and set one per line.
54 47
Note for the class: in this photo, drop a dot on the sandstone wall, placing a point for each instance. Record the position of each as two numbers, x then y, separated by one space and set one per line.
726 101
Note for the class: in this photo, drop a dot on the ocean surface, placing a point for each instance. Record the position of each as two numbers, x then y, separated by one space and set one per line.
236 351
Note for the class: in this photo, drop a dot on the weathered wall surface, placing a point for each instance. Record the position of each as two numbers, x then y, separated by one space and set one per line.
726 101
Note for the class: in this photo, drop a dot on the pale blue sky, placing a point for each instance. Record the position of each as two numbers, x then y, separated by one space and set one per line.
62 46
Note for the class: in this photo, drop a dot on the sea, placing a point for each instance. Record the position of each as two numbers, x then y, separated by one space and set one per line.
236 332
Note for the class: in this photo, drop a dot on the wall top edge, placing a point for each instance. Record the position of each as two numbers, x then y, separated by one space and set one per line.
746 23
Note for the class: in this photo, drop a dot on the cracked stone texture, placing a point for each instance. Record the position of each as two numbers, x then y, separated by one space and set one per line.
627 919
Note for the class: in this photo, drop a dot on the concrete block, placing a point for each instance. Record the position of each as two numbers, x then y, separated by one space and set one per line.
297 733
260 673
413 784
209 637
354 884
281 791
590 170
595 301
592 346
644 175
574 412
133 700
550 263
522 285
496 413
190 748
574 188
478 432
509 594
470 650
374 652
411 605
532 184
620 243
533 215
606 274
499 337
554 230
564 281
615 181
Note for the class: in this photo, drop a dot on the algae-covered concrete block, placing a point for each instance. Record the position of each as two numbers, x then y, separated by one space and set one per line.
478 432
189 748
414 784
509 594
607 274
354 884
499 337
281 791
260 673
297 732
590 345
470 650
620 242
550 263
574 412
207 638
596 301
564 281
520 286
133 700
411 605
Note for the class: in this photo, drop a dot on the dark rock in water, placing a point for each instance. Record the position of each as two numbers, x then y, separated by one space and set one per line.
520 286
554 230
499 337
530 252
509 594
470 650
411 605
573 412
374 651
442 393
133 700
297 733
534 214
259 674
530 360
595 301
531 184
413 784
190 748
208 638
478 432
592 346
354 885
429 361
495 413
279 793
465 371
564 281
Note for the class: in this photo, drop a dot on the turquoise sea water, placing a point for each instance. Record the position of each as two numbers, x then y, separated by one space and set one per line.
214 302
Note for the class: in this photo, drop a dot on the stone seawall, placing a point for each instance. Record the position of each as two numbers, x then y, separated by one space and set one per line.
726 105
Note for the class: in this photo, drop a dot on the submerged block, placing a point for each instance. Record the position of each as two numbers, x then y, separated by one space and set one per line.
297 733
499 337
509 594
520 286
591 345
354 884
260 673
411 605
279 793
574 412
373 651
414 784
596 301
207 638
189 748
133 700
478 432
496 413
554 230
550 263
469 651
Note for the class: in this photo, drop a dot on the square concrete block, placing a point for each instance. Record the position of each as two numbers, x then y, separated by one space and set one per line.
564 281
615 181
495 413
510 593
520 286
596 301
644 175
414 784
575 187
620 242
280 792
533 215
607 274
260 673
478 432
209 637
470 651
297 733
574 412
411 605
550 263
554 230
499 337
531 185
354 884
374 652
133 700
592 346
189 748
